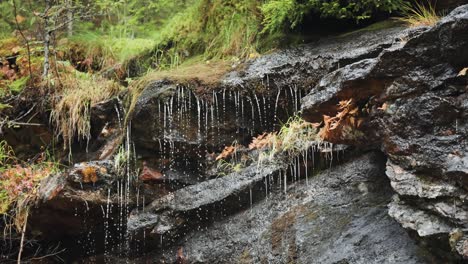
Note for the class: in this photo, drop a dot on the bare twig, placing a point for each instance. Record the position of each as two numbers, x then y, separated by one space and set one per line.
49 255
23 231
15 13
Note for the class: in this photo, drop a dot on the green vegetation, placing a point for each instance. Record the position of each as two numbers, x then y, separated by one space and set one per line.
19 182
18 85
180 39
101 52
294 137
281 13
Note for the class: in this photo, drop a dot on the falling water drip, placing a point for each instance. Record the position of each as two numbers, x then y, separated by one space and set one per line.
296 98
236 104
279 179
305 165
164 120
285 181
298 166
259 111
118 116
242 107
250 192
206 119
292 170
276 104
190 95
212 110
265 111
199 118
224 104
253 113
106 223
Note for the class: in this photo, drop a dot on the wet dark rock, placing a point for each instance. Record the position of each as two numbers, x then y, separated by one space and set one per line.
71 202
106 133
305 65
418 117
406 183
424 223
450 4
170 117
340 217
171 212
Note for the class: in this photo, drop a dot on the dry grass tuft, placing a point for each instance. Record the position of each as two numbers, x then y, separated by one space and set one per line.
420 14
71 112
294 137
207 73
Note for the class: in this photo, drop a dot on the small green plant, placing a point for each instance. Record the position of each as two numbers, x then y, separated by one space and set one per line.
225 167
293 138
18 85
6 154
121 160
420 14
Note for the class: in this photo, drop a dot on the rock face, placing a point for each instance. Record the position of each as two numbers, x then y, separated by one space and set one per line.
177 124
410 90
418 111
339 217
74 203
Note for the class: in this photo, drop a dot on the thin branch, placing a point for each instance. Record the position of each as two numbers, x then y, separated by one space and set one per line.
49 255
24 124
23 231
15 13
61 25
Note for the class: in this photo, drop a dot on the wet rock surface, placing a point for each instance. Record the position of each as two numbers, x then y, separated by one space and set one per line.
340 217
71 203
418 116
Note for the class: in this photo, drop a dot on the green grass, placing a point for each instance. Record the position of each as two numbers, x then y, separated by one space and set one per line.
216 29
107 51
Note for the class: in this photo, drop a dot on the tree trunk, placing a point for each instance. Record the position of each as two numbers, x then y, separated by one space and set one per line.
47 33
69 18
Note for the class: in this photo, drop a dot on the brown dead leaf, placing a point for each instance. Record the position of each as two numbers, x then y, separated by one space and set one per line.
16 49
353 111
150 174
316 125
228 151
345 103
383 107
261 141
20 19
